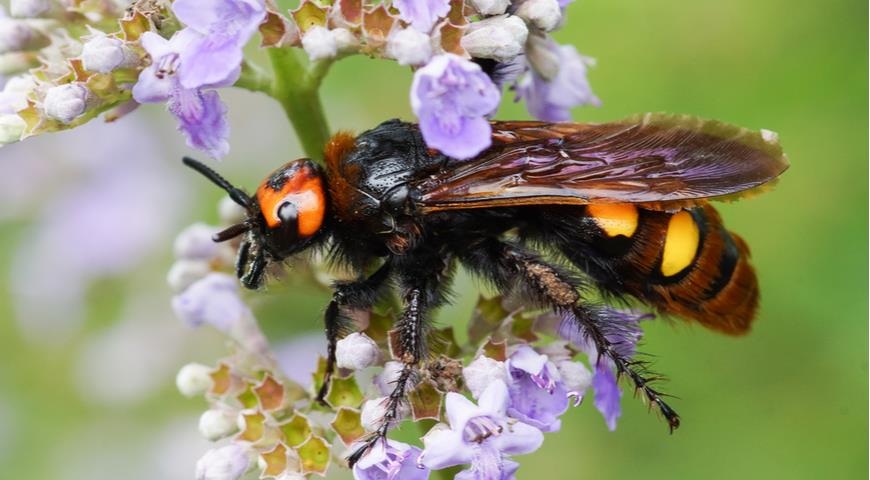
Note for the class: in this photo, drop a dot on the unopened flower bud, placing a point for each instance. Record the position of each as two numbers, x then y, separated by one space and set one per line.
356 351
319 44
28 8
184 273
230 212
11 128
193 379
409 46
575 375
17 36
216 424
499 38
481 372
194 242
104 54
490 7
374 411
543 56
544 14
388 376
66 102
345 41
225 463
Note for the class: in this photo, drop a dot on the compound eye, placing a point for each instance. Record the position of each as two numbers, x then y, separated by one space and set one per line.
288 213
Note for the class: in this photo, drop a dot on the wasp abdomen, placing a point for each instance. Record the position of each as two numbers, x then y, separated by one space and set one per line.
684 263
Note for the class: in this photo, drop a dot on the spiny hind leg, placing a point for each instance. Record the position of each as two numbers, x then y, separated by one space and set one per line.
508 264
362 294
423 289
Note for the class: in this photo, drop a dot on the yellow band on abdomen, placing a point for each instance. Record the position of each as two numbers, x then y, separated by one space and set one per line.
615 219
681 243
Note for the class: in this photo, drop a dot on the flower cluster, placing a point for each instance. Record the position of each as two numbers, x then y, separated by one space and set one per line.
490 405
463 52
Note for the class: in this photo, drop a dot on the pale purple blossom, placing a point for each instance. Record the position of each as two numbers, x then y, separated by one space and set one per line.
201 115
552 100
452 97
422 14
622 330
217 32
390 460
481 435
538 396
607 392
214 300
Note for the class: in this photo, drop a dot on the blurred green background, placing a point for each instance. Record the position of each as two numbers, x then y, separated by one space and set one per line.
788 401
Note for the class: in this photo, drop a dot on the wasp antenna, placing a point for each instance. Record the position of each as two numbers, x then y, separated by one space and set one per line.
236 194
232 231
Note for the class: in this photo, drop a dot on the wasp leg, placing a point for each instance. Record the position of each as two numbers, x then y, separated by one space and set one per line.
362 294
503 263
423 292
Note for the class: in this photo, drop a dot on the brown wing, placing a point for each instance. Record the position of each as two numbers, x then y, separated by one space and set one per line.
663 161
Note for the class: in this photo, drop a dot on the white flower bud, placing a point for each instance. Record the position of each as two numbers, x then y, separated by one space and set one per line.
409 46
66 102
373 412
16 35
319 44
481 372
575 375
195 242
490 7
216 424
185 273
356 351
11 128
230 212
345 41
388 376
544 14
193 379
225 463
499 38
28 8
104 54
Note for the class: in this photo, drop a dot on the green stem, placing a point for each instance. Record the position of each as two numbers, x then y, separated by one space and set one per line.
254 78
295 86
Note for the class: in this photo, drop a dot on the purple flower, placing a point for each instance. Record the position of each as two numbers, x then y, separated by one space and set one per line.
201 115
607 393
217 31
422 14
480 435
213 300
622 330
390 460
551 100
537 394
452 97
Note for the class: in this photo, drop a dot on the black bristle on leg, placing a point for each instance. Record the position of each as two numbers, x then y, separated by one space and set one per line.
510 265
606 338
362 294
411 350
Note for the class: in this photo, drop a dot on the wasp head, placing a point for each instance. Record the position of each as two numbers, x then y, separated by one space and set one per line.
285 216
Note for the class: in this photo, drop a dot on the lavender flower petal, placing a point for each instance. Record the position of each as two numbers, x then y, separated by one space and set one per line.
452 97
393 461
422 14
607 393
552 100
202 118
213 300
537 394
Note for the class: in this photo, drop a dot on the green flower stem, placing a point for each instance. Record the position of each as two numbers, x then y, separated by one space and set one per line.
254 78
295 86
